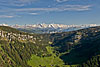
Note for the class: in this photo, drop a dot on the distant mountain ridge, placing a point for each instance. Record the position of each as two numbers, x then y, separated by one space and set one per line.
51 25
51 28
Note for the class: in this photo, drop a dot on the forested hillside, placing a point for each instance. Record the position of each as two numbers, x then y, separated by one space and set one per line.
16 47
79 48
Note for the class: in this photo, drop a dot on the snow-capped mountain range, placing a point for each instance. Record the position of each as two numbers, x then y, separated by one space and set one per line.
55 26
49 28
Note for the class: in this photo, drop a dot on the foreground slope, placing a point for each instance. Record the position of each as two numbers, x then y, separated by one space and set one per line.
17 47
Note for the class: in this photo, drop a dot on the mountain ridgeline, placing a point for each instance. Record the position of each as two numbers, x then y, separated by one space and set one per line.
79 48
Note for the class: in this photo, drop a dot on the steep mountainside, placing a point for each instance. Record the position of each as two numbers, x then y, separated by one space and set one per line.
79 48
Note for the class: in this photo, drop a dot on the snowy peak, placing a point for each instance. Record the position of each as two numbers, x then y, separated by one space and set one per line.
55 26
49 28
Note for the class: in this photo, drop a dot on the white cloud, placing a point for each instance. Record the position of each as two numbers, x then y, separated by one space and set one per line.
58 8
16 2
33 13
61 1
6 16
27 1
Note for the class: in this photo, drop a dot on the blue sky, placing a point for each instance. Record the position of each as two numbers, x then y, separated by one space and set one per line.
50 11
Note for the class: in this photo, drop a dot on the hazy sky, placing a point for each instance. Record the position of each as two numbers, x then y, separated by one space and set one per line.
50 11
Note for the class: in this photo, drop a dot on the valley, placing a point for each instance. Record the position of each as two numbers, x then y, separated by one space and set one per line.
79 48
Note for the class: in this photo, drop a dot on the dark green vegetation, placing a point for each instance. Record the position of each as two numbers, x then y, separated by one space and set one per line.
79 48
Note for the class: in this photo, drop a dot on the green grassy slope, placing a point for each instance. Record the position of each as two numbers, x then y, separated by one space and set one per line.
16 52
